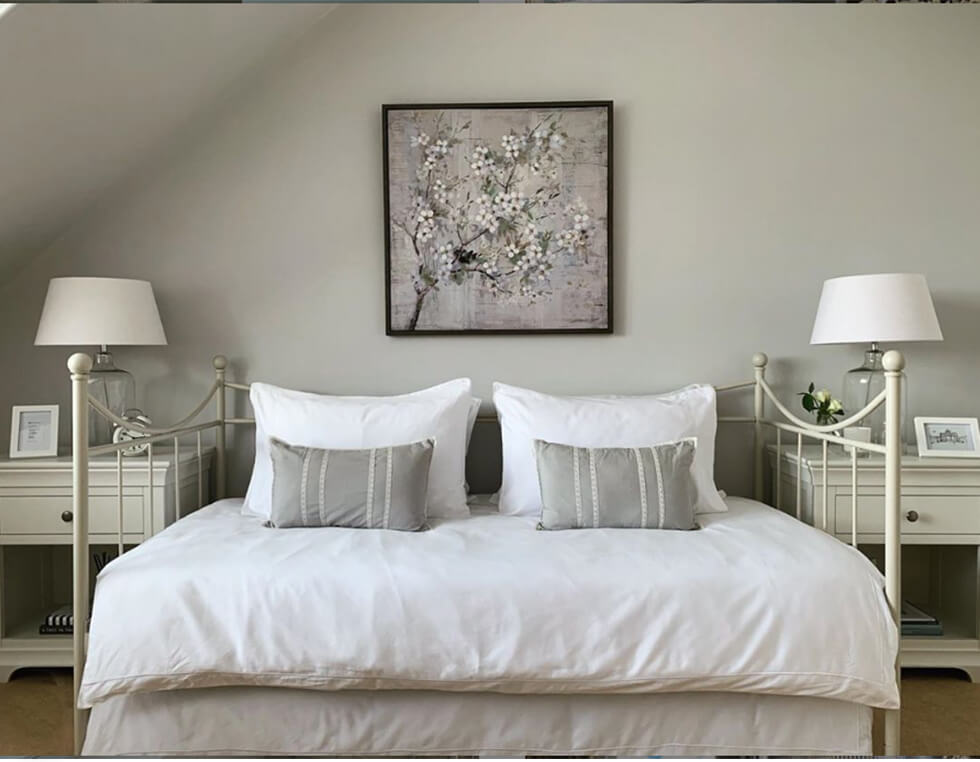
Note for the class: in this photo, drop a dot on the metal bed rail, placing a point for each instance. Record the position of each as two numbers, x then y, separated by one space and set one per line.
80 366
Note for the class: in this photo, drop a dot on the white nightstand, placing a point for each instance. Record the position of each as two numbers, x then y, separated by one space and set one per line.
940 537
35 536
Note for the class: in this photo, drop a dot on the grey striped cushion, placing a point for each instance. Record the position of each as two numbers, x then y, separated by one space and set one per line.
379 488
626 487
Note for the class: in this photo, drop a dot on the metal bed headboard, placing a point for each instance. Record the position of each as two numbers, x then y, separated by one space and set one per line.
80 365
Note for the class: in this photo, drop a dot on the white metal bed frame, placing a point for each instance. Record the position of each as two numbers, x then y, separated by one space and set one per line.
80 365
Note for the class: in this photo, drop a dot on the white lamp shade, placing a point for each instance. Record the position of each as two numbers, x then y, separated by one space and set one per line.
99 311
860 309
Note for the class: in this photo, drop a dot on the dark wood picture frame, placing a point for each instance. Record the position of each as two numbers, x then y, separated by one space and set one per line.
607 105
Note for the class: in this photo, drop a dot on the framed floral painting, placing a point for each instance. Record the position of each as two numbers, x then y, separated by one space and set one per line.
498 218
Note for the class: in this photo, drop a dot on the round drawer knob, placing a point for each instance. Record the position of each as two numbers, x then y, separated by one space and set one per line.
67 516
912 516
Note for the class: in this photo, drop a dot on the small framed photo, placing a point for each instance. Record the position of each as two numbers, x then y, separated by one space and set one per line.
948 437
34 431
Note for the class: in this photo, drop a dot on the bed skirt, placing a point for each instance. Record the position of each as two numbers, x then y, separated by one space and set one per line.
287 721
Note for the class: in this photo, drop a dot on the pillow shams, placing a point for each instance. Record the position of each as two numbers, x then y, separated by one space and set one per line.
375 488
610 421
617 487
348 423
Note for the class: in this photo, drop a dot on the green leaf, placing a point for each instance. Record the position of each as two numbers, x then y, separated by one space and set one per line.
809 404
811 388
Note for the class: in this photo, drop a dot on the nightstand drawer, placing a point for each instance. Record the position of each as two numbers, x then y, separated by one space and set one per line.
39 514
934 514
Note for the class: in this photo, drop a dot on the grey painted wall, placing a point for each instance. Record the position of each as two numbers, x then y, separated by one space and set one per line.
759 150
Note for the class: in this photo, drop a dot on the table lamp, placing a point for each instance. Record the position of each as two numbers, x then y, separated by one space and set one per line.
874 309
102 312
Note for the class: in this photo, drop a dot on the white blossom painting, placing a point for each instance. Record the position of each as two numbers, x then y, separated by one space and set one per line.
498 218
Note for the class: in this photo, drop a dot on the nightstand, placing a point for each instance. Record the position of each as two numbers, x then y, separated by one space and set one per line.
940 536
35 536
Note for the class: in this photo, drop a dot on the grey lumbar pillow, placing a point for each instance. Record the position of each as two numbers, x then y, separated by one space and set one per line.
623 487
377 488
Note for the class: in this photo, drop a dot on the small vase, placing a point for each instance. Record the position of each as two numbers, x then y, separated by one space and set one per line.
858 434
836 434
839 448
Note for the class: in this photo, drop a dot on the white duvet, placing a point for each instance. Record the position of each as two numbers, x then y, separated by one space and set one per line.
753 602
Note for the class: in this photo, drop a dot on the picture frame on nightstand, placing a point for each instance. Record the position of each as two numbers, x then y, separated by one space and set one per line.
947 437
34 431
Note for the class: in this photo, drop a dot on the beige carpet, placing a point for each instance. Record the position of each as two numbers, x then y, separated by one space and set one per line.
941 717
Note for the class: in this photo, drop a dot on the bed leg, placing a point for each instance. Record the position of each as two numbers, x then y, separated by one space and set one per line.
893 732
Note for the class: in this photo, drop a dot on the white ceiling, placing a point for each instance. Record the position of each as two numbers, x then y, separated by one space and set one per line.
88 92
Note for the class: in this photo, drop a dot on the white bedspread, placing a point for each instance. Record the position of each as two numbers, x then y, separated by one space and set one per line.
753 602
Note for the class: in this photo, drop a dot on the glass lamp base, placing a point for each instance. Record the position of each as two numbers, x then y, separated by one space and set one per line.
114 388
863 384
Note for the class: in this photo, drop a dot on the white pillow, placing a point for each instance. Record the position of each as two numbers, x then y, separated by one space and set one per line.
607 421
315 420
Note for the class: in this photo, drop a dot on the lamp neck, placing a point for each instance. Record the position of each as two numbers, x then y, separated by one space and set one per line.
103 360
873 357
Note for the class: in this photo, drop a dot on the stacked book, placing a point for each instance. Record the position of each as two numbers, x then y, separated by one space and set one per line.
916 622
58 622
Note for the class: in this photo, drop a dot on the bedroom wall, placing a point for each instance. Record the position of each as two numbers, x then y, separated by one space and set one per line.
759 150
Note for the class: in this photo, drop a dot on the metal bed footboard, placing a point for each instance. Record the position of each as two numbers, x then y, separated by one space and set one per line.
81 364
890 397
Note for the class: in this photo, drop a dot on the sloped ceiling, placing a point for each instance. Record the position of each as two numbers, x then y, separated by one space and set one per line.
89 92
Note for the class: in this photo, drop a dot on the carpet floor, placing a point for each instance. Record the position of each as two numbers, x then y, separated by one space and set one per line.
941 716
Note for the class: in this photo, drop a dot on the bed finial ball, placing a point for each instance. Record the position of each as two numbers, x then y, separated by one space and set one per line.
760 360
893 361
220 362
79 363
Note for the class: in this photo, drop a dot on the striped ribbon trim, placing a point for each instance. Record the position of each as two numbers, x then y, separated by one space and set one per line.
660 488
387 490
323 483
305 475
369 511
641 477
595 489
577 469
